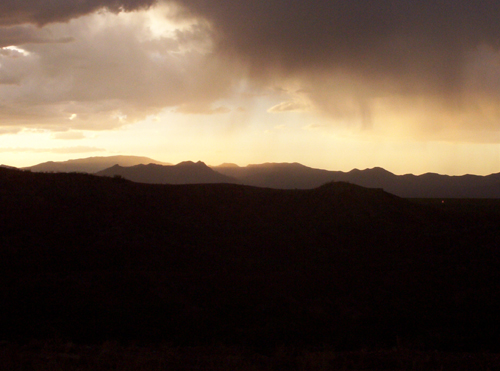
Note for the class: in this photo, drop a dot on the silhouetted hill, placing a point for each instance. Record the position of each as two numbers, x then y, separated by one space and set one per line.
278 175
8 167
283 176
294 175
91 164
186 172
89 258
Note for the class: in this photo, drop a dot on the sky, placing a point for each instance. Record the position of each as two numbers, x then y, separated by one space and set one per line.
410 86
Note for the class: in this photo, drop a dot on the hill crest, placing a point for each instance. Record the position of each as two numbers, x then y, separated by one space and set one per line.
186 172
91 164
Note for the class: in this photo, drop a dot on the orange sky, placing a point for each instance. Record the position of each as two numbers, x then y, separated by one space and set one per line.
409 86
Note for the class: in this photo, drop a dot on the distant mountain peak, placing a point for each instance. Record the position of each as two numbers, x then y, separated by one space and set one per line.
278 165
187 172
91 164
191 163
380 170
371 169
227 164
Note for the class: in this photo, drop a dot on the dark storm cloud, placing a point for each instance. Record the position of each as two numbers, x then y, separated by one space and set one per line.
419 42
23 34
41 12
366 63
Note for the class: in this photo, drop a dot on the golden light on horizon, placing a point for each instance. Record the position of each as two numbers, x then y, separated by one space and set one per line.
177 81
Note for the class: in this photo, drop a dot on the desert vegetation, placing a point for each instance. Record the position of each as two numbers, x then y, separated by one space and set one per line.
242 273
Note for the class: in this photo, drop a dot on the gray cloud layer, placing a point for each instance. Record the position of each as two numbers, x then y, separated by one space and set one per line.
42 12
424 42
22 34
113 72
347 53
373 38
432 61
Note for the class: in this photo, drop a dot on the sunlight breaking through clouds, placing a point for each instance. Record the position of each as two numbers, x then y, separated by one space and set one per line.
408 71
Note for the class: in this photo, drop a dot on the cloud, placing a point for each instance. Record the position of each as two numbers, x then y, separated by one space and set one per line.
349 54
430 66
42 12
61 150
289 106
383 38
78 149
69 135
9 130
117 69
201 109
24 34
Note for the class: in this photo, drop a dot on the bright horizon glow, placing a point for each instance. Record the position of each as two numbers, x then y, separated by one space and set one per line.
154 83
195 138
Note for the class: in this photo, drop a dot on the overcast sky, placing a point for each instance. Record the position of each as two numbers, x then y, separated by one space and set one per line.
411 86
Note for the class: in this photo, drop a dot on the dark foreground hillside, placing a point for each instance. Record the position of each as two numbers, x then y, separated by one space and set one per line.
88 259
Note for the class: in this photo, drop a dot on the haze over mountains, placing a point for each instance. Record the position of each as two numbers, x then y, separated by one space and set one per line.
294 175
282 176
91 164
186 172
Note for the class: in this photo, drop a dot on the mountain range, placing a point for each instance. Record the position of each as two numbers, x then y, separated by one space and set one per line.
91 164
281 176
429 185
186 172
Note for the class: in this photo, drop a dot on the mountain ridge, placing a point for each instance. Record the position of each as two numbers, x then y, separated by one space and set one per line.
90 164
428 185
291 176
187 172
